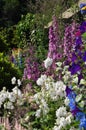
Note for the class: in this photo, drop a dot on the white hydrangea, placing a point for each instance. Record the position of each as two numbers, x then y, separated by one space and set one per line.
41 80
13 80
48 62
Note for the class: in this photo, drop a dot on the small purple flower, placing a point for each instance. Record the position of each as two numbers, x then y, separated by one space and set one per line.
78 41
84 57
74 57
75 111
83 27
68 90
74 68
80 76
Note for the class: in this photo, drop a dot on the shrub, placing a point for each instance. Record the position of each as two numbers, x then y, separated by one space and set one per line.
7 71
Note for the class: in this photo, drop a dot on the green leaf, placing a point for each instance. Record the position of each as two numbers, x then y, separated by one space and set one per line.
84 36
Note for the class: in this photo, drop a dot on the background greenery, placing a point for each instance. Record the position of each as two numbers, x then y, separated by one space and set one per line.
22 23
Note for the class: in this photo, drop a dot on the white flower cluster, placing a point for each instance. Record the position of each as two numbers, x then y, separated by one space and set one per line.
48 62
8 99
41 80
50 90
43 106
14 81
63 118
67 77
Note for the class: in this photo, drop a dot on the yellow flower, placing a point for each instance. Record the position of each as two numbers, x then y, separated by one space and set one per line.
83 8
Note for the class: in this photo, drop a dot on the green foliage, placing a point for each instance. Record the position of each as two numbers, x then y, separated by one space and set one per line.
3 41
8 39
7 71
31 30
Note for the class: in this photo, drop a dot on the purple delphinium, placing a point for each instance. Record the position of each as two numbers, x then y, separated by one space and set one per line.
54 41
31 70
69 40
84 57
55 47
74 68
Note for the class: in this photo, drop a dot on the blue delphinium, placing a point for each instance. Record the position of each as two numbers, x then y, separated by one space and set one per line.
75 110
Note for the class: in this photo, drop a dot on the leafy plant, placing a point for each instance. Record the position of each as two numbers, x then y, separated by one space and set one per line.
7 71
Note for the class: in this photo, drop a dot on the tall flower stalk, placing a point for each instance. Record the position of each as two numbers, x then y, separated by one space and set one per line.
54 41
69 40
31 70
55 47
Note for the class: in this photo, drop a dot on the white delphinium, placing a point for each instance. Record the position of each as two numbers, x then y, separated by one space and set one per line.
83 82
65 70
61 112
75 79
69 118
60 84
38 113
57 121
60 88
44 106
3 95
36 98
41 80
13 80
66 101
67 76
48 83
11 97
63 122
81 104
17 92
8 105
19 82
59 64
57 128
78 97
63 119
48 62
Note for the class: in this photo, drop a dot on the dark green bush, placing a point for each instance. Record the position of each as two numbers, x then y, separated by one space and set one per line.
7 71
